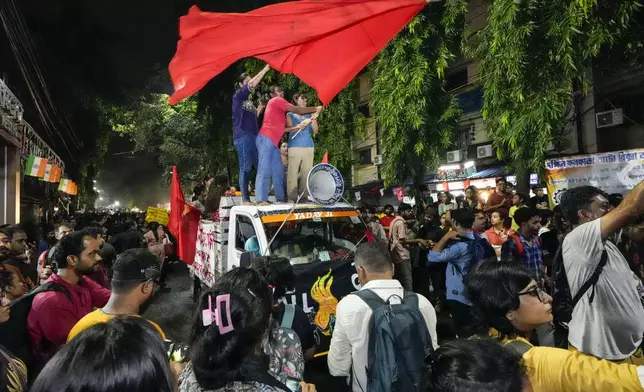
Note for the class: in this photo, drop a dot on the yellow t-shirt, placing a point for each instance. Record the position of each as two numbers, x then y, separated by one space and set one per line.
97 317
513 209
553 369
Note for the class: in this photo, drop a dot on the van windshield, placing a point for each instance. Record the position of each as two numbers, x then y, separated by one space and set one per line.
315 240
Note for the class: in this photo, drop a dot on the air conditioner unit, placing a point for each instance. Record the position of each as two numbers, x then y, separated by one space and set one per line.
377 160
454 156
484 151
609 118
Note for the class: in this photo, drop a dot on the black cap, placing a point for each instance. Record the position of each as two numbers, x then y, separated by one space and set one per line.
137 265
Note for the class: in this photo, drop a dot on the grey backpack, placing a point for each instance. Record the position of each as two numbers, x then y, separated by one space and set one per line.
399 343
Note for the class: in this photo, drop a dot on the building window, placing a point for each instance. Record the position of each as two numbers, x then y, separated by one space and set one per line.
364 157
463 137
364 110
456 80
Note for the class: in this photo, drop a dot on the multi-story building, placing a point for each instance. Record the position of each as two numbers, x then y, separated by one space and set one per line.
609 117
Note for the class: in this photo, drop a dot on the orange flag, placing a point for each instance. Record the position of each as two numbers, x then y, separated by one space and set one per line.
325 158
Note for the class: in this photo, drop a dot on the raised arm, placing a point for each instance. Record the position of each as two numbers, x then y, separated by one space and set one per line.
301 110
258 78
630 208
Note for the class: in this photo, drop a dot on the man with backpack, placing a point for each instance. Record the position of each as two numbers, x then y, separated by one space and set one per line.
524 245
383 334
603 303
460 249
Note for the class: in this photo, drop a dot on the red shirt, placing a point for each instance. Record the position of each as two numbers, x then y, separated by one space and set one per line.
53 315
385 221
275 119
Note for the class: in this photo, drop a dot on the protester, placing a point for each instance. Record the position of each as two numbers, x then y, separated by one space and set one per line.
270 165
278 272
398 246
518 201
11 287
540 200
122 354
245 127
300 148
373 224
54 313
20 255
477 365
46 259
130 238
524 245
226 351
459 256
135 279
388 216
480 222
13 372
156 239
349 350
509 301
498 233
499 200
447 203
608 322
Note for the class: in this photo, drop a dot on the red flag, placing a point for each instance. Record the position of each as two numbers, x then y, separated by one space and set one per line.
324 43
325 158
183 222
399 193
466 183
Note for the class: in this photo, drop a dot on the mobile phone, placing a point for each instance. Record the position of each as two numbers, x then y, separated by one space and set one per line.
293 385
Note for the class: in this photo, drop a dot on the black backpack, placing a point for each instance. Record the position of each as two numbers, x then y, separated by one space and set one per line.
14 334
399 344
563 302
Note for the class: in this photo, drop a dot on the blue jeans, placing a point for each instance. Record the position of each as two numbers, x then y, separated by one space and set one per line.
247 154
269 166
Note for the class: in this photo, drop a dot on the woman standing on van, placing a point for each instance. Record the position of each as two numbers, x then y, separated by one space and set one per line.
300 148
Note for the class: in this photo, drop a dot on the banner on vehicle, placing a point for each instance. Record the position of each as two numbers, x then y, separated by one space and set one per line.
612 172
159 215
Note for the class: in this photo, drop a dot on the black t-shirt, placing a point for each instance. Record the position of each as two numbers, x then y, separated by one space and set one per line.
538 200
549 244
131 239
301 325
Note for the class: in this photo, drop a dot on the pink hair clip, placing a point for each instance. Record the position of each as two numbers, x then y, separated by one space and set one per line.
209 316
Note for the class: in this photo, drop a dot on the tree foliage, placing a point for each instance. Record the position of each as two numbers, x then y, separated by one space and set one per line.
533 56
415 113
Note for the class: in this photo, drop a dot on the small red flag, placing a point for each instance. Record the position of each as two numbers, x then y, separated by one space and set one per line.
324 43
325 158
184 221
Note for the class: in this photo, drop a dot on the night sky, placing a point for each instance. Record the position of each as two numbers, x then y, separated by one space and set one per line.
100 49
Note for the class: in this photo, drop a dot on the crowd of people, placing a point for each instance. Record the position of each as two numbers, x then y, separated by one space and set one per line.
553 305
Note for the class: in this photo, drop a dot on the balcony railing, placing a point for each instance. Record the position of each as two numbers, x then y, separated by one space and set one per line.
11 112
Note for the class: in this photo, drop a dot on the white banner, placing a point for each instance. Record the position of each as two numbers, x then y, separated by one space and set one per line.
612 172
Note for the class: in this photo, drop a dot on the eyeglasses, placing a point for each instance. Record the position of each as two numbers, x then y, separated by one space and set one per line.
536 292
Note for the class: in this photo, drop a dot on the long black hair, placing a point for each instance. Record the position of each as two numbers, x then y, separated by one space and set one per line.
278 273
219 359
124 354
493 287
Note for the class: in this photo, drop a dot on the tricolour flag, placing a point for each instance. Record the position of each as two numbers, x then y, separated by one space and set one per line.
63 185
49 169
58 173
35 166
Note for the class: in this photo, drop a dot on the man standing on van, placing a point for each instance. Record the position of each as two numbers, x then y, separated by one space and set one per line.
245 127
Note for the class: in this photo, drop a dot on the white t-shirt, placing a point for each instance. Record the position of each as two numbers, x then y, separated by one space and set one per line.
612 326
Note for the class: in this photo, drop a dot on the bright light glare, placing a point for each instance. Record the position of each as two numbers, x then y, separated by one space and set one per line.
116 203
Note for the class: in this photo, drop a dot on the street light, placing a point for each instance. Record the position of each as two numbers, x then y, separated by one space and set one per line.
100 198
94 181
116 203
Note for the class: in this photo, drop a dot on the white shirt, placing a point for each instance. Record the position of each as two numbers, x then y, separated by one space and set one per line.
611 327
350 340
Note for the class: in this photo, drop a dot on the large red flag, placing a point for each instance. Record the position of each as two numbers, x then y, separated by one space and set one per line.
324 43
184 221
